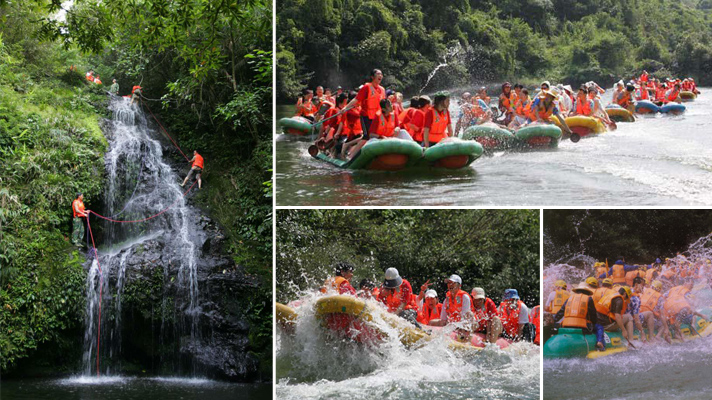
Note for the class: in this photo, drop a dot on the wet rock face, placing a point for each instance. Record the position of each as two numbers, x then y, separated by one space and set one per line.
156 315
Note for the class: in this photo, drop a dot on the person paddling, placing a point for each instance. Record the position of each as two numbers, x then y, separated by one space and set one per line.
196 168
78 213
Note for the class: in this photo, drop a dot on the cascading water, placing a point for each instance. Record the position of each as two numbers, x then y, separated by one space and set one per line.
140 185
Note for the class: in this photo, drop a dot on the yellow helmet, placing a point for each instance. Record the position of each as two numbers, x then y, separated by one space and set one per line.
607 281
591 281
598 264
560 283
628 291
657 285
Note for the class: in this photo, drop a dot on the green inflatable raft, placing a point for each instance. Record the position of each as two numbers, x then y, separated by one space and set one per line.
572 343
381 155
537 136
491 136
452 153
297 126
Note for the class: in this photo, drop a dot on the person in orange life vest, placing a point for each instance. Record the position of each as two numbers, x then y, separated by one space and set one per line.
625 100
603 287
660 93
643 76
535 319
396 294
416 124
339 283
515 317
642 92
350 128
556 298
196 168
618 92
618 270
544 107
523 111
334 126
329 96
136 93
437 125
430 308
90 75
486 315
651 309
319 96
598 111
384 126
78 212
612 316
678 308
506 102
600 270
405 116
583 105
305 107
634 305
97 80
457 308
369 96
482 94
579 311
673 95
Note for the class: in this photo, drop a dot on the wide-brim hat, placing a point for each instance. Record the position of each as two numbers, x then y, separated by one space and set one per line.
583 288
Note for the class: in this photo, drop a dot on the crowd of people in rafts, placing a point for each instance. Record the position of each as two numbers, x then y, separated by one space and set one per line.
350 119
468 312
625 297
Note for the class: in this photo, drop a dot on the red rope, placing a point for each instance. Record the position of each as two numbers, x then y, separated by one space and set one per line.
166 132
101 285
152 216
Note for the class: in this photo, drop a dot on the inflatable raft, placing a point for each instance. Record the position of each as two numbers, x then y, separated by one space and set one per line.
452 153
646 107
673 108
381 155
491 136
297 126
619 114
572 343
539 135
686 96
582 126
352 318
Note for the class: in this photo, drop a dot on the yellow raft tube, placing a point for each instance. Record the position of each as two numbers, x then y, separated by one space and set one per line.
581 126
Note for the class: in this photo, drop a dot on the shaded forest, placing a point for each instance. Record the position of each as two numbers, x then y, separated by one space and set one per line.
638 235
338 42
494 249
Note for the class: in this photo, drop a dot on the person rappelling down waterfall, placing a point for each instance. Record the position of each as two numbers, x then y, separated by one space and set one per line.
136 94
78 213
196 168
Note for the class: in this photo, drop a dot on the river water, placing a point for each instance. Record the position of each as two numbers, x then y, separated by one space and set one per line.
123 388
658 160
311 367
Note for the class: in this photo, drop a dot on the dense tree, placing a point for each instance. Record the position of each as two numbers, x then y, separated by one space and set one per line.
495 249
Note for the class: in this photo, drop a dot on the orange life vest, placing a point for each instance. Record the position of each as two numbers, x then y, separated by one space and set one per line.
668 273
599 293
604 305
386 125
506 101
198 162
510 317
649 275
559 300
333 284
671 95
583 107
649 299
624 100
676 300
546 113
439 125
454 305
393 300
77 205
602 270
534 319
137 87
372 104
306 109
618 275
576 312
428 314
523 110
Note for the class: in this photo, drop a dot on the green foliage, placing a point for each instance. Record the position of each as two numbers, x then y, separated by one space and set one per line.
494 249
522 40
638 235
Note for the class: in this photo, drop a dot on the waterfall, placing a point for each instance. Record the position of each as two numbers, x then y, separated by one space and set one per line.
140 184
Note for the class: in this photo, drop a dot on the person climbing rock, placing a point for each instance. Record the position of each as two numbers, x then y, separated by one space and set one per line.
78 212
114 89
136 94
196 168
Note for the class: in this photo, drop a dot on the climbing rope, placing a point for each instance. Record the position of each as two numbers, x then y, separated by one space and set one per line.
165 131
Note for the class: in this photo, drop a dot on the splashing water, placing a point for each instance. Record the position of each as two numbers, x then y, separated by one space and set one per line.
450 53
140 184
312 364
